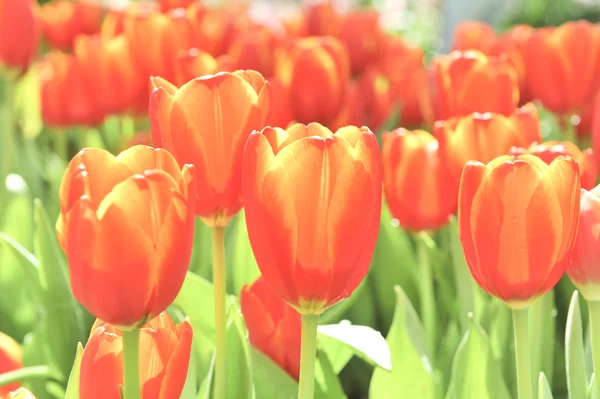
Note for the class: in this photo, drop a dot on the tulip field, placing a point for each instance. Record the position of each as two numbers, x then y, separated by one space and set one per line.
275 200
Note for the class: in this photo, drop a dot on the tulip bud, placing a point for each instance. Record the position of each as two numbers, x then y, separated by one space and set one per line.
518 221
167 5
20 29
361 33
418 187
313 201
473 35
467 82
65 19
254 48
273 325
206 122
316 72
483 137
562 65
126 225
11 356
164 350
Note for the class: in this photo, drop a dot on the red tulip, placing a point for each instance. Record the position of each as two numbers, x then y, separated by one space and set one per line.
254 48
473 35
363 36
20 29
65 19
11 356
273 325
167 5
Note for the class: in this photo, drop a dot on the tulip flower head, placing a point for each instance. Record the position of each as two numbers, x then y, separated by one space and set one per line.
313 202
11 356
20 31
518 219
273 325
206 123
418 186
473 35
126 225
164 358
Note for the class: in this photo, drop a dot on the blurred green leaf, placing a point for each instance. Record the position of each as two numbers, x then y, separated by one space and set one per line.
365 342
544 391
542 334
591 393
270 381
501 340
239 380
205 387
201 262
412 372
73 385
446 352
341 309
474 371
574 352
338 353
28 105
462 276
192 384
327 382
242 264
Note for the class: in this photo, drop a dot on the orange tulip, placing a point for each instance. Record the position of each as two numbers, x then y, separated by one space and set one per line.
110 72
280 109
214 28
518 220
167 5
550 150
126 225
483 137
467 82
254 48
313 202
562 65
20 393
273 325
320 19
11 356
316 72
418 187
473 35
584 269
20 29
164 351
65 94
191 64
352 111
206 123
65 19
362 35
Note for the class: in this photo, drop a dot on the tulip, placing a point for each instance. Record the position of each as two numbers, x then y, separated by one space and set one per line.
273 325
20 393
316 71
473 35
110 72
63 20
467 82
232 105
164 353
483 137
126 225
513 44
214 28
562 65
167 5
418 186
280 109
313 205
362 35
254 48
11 356
302 188
550 150
191 64
320 19
20 29
352 111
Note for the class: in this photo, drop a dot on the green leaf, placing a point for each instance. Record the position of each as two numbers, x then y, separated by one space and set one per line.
474 371
542 334
412 372
591 393
327 382
243 268
270 381
462 276
365 342
338 353
544 391
501 340
63 323
201 262
73 384
239 380
28 103
205 387
574 351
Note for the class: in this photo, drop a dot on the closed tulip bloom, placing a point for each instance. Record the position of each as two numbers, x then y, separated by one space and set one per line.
164 354
166 5
20 393
254 48
20 30
514 44
273 325
418 188
11 356
313 202
562 65
206 123
352 111
63 20
280 110
192 63
320 19
361 33
316 72
126 225
467 82
483 137
518 219
473 35
550 150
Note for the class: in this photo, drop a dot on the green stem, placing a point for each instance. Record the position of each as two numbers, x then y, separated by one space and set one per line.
308 356
594 311
426 291
521 331
7 132
25 373
131 358
218 253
